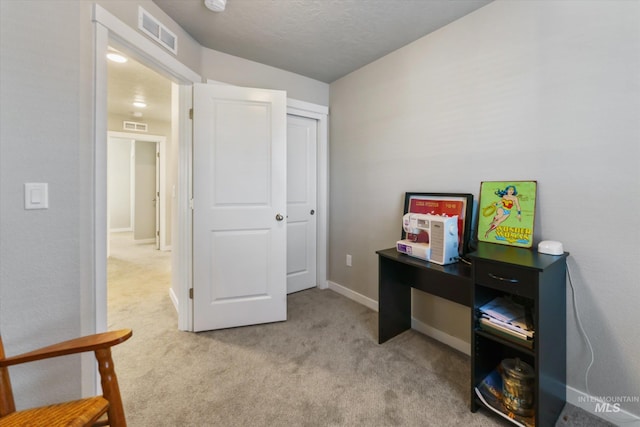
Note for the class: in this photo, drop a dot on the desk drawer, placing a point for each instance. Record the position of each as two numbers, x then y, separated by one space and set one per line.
503 277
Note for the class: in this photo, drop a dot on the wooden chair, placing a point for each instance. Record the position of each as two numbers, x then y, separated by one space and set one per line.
83 412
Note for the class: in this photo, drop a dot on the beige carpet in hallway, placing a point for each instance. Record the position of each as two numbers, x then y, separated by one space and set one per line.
322 367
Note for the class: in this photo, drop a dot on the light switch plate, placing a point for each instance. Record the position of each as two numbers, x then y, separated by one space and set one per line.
36 195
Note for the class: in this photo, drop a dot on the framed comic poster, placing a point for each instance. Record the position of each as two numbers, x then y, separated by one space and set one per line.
448 204
506 212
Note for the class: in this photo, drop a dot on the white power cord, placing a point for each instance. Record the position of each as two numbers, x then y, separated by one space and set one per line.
586 338
582 331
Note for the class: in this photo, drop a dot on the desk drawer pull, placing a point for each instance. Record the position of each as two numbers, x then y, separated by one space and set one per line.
503 279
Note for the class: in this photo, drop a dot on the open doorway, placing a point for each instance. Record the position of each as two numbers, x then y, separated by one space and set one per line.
110 30
136 187
139 171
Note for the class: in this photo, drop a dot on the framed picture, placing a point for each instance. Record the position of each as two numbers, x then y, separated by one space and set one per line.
448 204
506 212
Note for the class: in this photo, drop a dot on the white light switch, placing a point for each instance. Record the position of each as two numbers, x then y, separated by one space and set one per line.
36 195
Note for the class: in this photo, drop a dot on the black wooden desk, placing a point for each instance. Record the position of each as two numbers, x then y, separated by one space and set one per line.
398 273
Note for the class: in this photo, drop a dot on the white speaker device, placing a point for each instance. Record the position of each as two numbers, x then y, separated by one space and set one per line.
550 247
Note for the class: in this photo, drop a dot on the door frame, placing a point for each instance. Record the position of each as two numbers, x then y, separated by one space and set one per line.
161 144
320 114
108 29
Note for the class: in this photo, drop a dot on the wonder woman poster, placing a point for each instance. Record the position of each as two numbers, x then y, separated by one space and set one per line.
506 212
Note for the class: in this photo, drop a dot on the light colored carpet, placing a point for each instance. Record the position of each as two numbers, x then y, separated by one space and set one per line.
322 367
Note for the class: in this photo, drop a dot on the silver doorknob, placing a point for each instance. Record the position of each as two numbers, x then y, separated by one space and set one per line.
279 217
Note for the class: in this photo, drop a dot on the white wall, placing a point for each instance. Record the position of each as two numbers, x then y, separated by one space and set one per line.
548 91
45 255
119 184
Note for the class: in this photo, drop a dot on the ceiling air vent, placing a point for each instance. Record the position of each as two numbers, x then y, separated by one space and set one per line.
135 126
157 31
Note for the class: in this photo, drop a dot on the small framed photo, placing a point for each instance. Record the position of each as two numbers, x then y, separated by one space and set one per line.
506 212
449 204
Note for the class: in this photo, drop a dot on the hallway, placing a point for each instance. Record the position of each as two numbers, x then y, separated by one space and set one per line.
139 278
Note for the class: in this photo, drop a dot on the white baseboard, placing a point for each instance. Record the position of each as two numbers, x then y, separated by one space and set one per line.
597 407
438 335
174 299
359 298
423 328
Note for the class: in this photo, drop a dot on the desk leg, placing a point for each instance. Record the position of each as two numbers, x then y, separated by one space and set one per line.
394 300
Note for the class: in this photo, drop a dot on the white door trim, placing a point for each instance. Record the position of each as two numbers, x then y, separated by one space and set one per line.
319 113
109 29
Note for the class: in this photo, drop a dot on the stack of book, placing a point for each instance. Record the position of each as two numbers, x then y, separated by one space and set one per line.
507 319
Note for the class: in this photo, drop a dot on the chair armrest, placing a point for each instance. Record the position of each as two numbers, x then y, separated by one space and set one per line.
77 345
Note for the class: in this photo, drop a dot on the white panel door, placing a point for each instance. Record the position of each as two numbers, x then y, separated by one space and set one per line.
239 200
301 203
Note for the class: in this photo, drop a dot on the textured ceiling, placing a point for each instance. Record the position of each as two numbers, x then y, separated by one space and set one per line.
321 39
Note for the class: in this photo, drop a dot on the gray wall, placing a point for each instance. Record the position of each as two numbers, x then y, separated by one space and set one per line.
548 91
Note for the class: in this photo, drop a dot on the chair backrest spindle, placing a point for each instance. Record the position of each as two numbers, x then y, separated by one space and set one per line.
7 404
